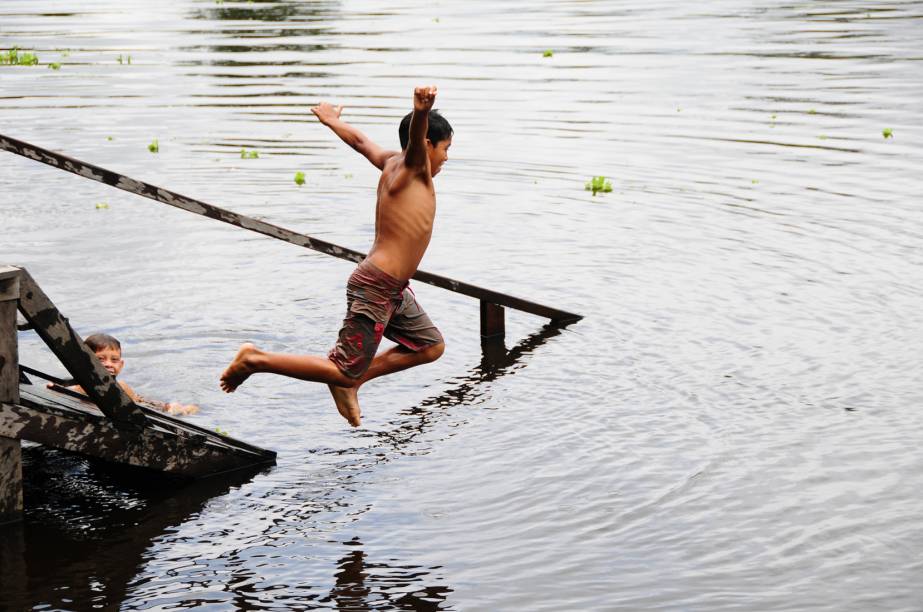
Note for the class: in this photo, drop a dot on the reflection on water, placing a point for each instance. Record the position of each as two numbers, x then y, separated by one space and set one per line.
89 524
365 585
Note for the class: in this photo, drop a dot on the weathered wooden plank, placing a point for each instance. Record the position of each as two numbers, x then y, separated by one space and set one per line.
10 451
493 322
68 402
76 357
198 207
9 360
193 456
10 480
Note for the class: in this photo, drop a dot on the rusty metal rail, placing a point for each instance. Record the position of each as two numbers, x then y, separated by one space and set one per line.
492 302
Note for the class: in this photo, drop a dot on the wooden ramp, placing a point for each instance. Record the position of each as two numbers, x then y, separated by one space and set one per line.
107 424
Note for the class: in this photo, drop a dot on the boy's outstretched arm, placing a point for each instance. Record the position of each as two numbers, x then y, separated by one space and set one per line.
423 100
329 115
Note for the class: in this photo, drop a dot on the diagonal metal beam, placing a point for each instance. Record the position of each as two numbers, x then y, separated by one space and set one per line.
198 207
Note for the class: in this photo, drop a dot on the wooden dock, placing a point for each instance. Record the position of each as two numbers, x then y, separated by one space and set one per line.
105 423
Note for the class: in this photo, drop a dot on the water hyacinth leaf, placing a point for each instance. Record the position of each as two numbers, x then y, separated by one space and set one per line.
299 178
598 184
14 58
154 147
887 133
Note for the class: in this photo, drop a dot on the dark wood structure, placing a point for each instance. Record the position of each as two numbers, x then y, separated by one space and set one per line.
105 423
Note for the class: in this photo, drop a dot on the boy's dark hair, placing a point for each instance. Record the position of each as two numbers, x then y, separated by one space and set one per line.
437 130
98 342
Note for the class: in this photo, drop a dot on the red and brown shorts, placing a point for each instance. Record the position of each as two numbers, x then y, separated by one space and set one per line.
377 304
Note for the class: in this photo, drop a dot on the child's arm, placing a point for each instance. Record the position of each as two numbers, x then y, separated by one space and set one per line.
168 407
329 115
423 99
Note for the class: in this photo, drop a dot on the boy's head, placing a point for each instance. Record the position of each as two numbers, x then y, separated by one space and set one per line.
438 138
108 350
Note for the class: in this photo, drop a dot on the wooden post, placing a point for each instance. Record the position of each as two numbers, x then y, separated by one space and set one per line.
10 451
493 324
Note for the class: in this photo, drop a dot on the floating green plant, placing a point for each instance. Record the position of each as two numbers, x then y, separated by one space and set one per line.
14 58
299 178
812 112
548 53
598 184
887 133
101 205
221 432
54 65
109 138
245 154
124 60
154 147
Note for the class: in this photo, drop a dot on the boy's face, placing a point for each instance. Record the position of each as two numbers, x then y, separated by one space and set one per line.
111 358
438 154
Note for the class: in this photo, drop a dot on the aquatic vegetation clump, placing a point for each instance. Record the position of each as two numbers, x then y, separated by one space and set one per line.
598 184
124 60
299 178
14 58
154 147
54 65
887 133
245 154
548 53
101 206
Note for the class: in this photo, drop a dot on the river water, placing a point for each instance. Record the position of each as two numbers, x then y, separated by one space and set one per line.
734 425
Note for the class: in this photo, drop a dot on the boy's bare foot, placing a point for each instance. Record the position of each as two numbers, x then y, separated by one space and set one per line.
347 401
239 369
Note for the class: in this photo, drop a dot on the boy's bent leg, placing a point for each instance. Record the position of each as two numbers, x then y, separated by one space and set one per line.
352 355
251 360
399 358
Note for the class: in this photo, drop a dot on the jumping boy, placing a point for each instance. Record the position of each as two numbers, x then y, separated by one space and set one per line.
379 300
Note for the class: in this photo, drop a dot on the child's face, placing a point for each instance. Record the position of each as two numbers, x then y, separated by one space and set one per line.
438 154
111 358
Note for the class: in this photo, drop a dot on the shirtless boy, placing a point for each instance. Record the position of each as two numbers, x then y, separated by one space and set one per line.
379 300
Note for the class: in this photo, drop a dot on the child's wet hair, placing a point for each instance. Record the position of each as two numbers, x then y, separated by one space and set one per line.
437 130
97 342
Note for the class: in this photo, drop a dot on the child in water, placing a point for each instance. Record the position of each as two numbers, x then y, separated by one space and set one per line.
109 352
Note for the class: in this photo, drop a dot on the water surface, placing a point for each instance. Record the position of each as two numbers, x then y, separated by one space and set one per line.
734 425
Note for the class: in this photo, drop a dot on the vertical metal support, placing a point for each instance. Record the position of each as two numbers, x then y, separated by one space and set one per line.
10 451
493 324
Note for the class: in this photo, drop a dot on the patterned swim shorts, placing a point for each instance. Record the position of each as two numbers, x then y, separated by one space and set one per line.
377 304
